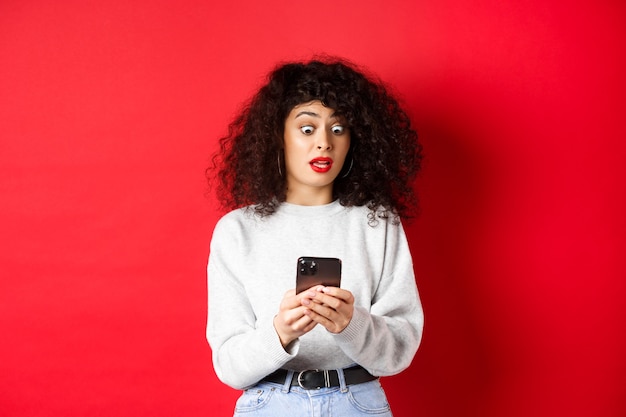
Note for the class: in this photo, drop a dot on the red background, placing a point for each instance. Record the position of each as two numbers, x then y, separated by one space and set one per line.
109 111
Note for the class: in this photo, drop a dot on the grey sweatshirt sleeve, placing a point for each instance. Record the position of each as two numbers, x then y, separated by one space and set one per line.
384 339
244 351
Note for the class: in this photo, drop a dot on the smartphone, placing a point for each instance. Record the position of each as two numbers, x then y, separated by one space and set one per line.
317 271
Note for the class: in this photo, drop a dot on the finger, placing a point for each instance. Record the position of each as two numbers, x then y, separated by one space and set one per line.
311 292
304 324
326 299
340 293
334 314
309 296
290 316
290 300
298 314
309 326
329 324
318 318
323 311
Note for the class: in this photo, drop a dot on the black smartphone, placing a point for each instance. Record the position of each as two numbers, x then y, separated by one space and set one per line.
317 271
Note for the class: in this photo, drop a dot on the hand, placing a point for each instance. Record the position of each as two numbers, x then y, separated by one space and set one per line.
331 307
290 323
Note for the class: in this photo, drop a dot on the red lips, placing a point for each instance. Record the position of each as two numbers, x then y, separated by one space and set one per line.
321 164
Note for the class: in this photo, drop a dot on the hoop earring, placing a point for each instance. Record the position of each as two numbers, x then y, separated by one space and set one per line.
349 168
280 171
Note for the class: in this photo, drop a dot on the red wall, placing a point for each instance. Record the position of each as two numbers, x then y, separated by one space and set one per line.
109 110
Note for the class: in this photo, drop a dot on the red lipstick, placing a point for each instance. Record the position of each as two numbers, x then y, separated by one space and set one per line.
321 164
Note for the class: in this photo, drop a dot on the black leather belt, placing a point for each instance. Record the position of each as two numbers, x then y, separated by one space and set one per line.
316 379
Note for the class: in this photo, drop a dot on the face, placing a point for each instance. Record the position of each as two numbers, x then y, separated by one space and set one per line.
316 143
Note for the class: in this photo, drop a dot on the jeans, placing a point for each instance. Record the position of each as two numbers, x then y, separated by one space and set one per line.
268 399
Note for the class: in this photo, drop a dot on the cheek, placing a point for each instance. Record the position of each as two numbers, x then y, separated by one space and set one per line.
293 154
345 147
288 146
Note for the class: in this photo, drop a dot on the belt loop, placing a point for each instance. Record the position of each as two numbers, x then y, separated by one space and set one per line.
287 384
342 381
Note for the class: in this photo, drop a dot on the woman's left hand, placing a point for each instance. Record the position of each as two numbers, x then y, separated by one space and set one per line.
331 307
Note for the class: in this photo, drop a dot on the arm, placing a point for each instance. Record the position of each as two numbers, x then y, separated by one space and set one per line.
252 332
243 351
384 337
245 346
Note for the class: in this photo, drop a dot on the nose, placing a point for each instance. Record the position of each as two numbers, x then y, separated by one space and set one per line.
323 142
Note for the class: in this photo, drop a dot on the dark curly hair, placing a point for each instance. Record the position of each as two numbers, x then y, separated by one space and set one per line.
385 154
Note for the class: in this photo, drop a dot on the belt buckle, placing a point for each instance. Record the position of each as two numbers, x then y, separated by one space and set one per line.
326 379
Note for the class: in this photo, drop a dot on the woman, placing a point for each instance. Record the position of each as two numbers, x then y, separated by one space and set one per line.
319 163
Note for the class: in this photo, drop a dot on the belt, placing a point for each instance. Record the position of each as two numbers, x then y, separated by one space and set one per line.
316 379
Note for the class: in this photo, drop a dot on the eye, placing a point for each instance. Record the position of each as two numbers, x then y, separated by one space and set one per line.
337 129
307 130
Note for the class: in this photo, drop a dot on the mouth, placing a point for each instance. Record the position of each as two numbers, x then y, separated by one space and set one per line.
321 164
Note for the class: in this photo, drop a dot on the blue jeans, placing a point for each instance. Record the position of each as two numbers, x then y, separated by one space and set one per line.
267 399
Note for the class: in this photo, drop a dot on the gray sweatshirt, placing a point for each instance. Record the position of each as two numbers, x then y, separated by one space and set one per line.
253 263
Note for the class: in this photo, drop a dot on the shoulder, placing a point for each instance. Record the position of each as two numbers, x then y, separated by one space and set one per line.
234 221
375 217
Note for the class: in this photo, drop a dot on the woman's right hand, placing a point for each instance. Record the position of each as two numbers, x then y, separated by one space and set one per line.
291 322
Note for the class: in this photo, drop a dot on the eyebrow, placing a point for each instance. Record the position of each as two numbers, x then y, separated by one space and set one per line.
313 114
306 113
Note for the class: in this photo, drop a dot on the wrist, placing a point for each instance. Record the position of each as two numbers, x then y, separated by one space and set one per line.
284 339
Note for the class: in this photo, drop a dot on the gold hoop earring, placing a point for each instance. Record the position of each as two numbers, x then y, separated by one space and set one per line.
280 171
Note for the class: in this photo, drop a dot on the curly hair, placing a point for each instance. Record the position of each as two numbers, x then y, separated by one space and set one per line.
385 155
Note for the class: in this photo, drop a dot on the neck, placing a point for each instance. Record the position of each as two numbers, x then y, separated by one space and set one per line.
311 197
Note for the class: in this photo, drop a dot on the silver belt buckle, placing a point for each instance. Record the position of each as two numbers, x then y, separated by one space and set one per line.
326 378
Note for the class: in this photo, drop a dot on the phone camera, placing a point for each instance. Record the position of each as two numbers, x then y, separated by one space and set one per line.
308 267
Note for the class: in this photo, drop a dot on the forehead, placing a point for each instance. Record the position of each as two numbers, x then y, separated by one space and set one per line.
313 108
